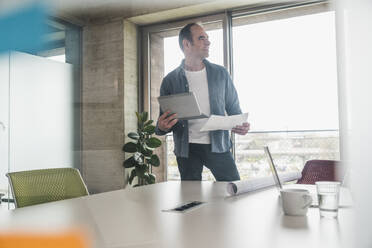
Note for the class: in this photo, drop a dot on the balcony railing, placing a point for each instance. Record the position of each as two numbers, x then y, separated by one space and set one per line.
290 150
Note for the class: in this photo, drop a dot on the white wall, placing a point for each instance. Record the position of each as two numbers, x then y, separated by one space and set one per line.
37 108
354 37
41 113
4 114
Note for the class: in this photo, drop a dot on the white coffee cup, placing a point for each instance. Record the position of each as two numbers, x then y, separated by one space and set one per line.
295 201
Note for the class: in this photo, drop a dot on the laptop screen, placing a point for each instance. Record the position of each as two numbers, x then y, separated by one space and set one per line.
272 168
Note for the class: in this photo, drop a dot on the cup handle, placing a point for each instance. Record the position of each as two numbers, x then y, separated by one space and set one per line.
308 200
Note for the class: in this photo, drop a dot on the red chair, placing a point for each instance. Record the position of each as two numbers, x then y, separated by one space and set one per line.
321 170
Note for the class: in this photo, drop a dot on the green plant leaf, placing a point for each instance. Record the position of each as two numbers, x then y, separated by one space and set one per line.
149 178
149 129
145 145
130 147
132 176
153 142
133 135
140 127
149 122
140 170
146 177
130 162
146 152
152 178
139 119
144 116
154 160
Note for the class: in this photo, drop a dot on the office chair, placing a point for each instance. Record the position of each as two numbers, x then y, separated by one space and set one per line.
321 170
46 185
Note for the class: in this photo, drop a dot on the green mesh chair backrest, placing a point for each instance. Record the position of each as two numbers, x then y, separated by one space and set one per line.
47 185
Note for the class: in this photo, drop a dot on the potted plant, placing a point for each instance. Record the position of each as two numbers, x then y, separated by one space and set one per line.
142 148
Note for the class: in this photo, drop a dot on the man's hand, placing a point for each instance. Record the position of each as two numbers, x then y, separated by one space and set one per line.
242 130
167 121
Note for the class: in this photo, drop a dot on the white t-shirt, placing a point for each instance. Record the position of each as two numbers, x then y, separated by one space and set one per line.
198 84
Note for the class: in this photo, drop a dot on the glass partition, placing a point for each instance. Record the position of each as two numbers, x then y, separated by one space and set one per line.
41 113
4 121
40 104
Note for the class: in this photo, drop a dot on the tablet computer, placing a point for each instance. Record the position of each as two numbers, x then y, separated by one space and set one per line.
185 105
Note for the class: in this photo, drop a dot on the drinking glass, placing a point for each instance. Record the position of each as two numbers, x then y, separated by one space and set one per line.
328 198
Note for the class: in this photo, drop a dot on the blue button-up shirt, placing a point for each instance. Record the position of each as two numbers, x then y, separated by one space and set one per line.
223 99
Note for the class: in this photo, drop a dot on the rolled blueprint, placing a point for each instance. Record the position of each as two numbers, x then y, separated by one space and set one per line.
240 187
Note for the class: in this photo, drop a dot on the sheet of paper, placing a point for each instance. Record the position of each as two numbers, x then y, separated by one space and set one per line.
240 187
219 122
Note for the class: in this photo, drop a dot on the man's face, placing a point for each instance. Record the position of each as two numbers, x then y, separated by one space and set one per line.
199 48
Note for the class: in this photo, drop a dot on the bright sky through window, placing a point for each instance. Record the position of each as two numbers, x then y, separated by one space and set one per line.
284 70
285 73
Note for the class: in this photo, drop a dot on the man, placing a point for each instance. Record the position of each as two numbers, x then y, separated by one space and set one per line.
216 95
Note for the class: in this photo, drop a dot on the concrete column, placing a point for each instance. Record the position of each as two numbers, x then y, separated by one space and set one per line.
130 82
103 106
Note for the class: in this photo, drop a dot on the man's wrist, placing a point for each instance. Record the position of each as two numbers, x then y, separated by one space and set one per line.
163 130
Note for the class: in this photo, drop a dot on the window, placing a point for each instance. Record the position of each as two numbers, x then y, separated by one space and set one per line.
284 69
285 73
166 56
172 59
173 54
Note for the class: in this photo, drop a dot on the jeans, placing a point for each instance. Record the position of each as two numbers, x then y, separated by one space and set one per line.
222 165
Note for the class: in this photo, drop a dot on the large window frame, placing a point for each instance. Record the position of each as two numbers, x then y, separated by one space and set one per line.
259 14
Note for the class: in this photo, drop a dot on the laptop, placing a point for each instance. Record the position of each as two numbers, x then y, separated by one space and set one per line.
345 194
185 105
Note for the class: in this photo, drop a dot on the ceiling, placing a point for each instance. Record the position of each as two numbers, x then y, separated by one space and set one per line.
91 10
141 11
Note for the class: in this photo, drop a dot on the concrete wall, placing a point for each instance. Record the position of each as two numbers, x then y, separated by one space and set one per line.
157 74
130 82
109 96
